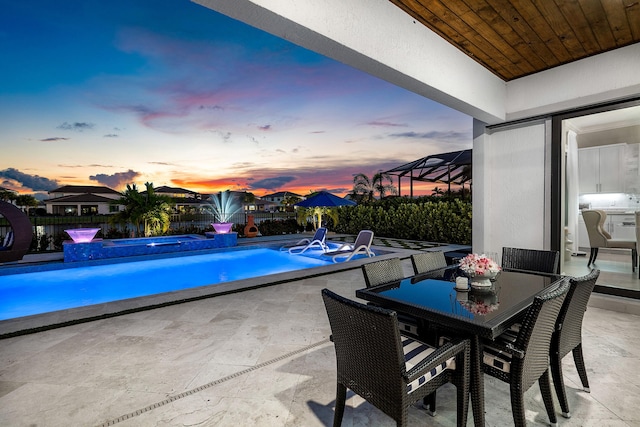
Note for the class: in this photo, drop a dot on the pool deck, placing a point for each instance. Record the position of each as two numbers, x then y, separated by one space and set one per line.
262 357
35 323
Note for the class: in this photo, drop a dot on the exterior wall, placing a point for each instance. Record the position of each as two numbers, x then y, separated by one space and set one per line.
103 208
511 187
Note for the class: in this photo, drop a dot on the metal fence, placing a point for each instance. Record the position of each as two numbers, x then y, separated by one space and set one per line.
51 228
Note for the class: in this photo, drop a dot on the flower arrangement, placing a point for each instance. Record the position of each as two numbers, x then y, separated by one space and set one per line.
479 265
480 307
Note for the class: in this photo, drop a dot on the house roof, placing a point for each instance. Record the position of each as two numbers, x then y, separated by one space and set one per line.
173 190
515 38
82 189
80 198
282 194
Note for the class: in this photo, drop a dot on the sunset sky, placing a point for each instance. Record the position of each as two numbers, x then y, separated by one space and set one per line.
169 92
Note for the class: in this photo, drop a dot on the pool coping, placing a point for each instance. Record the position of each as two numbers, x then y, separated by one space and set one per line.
61 318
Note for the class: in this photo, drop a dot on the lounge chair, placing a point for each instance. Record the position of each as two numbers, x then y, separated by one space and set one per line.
362 245
7 242
317 241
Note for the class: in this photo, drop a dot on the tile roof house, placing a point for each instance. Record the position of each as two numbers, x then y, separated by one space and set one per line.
278 198
82 200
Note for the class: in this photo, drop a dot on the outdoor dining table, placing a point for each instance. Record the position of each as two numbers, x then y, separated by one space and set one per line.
476 313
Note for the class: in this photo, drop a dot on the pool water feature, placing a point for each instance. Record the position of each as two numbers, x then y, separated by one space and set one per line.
39 292
153 241
118 248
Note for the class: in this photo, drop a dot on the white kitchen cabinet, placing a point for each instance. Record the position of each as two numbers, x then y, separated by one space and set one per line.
622 226
601 169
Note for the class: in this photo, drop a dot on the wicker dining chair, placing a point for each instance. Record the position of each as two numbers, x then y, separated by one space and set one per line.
425 262
389 370
531 260
568 335
382 271
520 359
386 271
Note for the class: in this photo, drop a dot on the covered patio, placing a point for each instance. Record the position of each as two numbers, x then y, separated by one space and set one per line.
263 358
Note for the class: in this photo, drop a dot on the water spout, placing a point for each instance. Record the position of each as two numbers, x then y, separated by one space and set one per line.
82 235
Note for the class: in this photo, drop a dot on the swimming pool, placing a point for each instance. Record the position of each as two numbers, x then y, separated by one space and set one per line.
39 292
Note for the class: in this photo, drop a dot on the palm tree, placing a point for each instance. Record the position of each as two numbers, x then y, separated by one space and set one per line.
316 212
26 201
147 210
7 196
437 191
365 189
289 201
249 198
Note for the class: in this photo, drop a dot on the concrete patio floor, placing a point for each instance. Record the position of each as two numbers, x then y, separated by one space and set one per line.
262 358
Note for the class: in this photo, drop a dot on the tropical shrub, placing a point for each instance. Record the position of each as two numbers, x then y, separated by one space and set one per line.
443 221
149 212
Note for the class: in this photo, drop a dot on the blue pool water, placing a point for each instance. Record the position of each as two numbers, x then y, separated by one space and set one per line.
46 291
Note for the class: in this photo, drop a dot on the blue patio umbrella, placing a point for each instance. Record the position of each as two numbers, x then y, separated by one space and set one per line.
325 199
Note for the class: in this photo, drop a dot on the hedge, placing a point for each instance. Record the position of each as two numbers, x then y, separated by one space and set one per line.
447 221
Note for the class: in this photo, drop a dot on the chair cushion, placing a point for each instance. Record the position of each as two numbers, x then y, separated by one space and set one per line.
415 352
498 358
614 243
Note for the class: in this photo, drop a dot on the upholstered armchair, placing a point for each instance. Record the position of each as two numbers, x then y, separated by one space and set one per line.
599 238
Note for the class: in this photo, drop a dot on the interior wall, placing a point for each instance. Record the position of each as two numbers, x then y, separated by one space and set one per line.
510 196
622 135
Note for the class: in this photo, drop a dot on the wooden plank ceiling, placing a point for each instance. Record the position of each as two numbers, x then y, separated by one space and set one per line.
515 38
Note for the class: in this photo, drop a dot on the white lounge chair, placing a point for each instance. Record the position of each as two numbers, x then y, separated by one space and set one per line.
317 241
362 245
